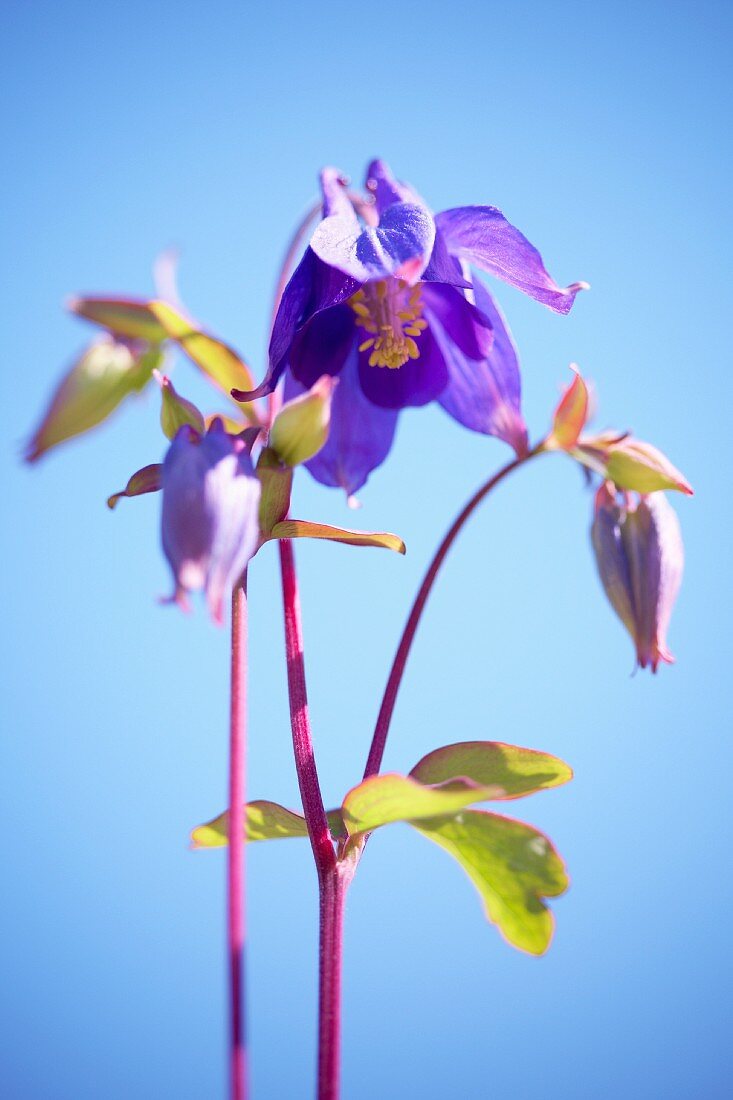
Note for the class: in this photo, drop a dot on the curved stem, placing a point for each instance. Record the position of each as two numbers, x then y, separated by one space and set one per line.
305 764
379 738
235 851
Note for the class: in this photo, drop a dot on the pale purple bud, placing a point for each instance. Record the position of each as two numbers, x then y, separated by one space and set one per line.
640 557
210 520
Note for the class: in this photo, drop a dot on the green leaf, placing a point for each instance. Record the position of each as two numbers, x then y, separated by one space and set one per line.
175 411
513 867
383 799
264 821
91 390
146 480
303 529
511 771
129 317
217 360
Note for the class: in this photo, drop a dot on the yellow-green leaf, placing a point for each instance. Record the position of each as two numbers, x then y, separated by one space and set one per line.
570 414
264 821
217 360
512 771
303 529
513 867
383 799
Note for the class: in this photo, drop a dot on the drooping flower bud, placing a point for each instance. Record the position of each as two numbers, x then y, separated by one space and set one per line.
175 411
300 429
210 525
640 557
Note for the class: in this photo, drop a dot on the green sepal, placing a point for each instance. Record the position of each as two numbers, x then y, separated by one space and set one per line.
220 363
175 411
100 379
129 317
512 865
304 529
276 481
263 821
146 480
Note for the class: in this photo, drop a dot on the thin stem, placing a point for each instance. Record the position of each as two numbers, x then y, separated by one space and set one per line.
379 738
333 889
305 764
235 852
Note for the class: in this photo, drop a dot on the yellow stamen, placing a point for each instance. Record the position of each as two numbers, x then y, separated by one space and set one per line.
392 314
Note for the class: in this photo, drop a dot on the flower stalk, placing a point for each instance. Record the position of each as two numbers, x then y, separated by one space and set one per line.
384 718
235 851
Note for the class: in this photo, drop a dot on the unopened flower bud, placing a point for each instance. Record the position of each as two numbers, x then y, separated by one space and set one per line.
175 411
210 521
300 429
640 557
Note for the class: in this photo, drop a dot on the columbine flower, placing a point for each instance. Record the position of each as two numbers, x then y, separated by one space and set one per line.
387 303
210 523
639 553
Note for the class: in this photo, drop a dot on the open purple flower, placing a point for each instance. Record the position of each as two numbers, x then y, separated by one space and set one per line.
210 521
640 557
387 303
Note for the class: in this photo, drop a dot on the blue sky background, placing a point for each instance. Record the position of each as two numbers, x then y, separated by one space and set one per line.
603 131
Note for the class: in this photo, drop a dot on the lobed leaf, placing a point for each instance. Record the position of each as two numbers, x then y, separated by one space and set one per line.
263 821
512 772
513 867
303 529
383 799
146 480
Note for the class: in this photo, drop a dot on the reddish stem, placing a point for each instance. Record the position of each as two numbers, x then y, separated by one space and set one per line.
235 851
379 738
305 764
333 889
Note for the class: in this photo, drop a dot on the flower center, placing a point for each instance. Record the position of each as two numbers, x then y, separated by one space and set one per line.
391 312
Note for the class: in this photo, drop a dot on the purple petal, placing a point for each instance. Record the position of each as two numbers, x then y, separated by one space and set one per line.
481 235
611 560
386 189
653 544
360 434
414 383
314 286
444 268
400 245
485 395
335 196
210 520
462 322
322 344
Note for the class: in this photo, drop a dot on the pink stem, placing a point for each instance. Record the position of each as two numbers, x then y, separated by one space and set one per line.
235 851
305 764
330 964
379 738
333 876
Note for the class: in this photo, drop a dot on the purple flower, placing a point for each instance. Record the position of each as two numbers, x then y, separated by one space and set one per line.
210 521
639 553
388 303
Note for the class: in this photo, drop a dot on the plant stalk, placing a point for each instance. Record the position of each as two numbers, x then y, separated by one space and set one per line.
384 718
235 850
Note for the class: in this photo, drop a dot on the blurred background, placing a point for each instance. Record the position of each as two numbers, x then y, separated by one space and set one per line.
603 132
